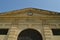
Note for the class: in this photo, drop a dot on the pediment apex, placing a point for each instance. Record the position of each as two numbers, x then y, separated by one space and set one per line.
32 10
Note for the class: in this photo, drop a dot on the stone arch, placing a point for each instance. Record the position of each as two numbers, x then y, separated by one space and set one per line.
29 34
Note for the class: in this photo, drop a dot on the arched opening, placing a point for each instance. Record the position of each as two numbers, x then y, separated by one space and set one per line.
30 34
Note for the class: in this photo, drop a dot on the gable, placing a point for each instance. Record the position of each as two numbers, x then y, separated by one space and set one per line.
31 12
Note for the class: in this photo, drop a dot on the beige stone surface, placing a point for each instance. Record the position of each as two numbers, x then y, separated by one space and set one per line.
41 20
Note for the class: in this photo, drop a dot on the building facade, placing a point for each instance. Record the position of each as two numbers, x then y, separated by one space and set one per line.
30 24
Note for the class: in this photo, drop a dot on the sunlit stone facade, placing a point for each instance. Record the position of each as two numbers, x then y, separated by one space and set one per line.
42 21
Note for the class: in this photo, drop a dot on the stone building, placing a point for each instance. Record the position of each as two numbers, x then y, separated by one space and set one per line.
30 24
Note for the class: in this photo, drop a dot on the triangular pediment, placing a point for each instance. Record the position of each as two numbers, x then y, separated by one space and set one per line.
29 12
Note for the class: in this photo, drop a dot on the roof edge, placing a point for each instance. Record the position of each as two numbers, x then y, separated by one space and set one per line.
50 12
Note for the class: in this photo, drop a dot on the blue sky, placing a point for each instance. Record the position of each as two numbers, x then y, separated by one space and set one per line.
9 5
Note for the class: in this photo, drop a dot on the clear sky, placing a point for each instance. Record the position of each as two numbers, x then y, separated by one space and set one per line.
9 5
